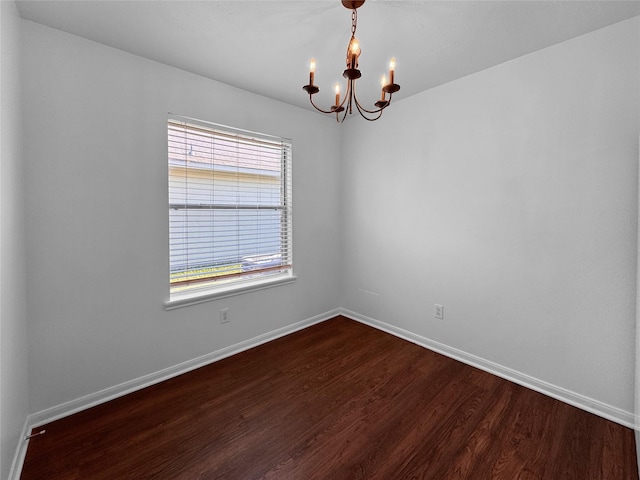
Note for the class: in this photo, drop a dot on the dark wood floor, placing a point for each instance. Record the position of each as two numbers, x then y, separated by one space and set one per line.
338 400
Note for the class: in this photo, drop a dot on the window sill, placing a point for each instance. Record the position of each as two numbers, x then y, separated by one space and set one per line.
180 300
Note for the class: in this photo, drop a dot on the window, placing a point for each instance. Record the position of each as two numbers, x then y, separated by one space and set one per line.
229 210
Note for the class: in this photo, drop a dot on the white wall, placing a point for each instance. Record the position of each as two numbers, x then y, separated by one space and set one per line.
97 236
13 321
510 197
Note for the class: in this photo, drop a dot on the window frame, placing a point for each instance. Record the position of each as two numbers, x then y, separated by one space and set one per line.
234 283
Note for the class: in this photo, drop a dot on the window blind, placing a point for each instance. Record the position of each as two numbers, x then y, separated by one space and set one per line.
229 205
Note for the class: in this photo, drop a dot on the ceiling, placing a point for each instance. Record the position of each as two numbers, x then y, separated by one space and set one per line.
264 46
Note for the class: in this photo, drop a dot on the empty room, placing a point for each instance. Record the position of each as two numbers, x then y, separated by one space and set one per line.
319 239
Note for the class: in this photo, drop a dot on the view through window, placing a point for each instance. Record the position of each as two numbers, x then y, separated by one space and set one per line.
229 207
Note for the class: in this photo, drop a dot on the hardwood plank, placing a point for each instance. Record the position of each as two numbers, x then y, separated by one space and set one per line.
338 400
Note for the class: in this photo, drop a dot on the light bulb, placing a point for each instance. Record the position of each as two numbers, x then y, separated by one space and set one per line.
312 70
353 52
354 47
392 69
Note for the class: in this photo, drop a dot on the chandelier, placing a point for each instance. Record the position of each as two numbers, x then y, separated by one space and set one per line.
351 74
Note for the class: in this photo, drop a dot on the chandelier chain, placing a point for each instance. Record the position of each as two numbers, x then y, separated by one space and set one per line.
354 22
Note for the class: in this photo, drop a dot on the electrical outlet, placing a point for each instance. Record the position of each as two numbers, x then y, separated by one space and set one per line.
438 312
224 315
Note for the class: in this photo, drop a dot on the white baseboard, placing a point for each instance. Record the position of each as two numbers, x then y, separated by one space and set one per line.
21 452
596 407
111 393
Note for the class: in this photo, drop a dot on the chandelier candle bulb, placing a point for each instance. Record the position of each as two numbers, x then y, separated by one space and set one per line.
383 82
312 71
337 90
392 69
355 52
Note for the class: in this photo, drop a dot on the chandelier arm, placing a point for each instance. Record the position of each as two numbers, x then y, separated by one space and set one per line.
361 108
344 115
318 108
346 109
346 95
